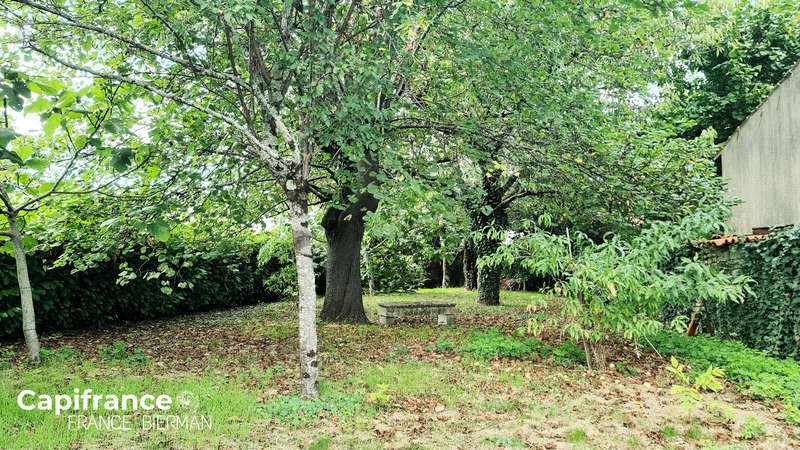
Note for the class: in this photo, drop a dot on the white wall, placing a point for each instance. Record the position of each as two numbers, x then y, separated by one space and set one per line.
762 161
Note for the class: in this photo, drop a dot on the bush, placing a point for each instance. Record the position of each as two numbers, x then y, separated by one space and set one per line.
758 375
149 281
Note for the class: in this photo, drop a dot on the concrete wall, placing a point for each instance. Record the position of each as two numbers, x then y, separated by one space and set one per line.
762 161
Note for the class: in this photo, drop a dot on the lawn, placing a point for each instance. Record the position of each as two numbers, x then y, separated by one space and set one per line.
409 385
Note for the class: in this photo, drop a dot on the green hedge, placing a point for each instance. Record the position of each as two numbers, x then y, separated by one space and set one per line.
202 280
770 319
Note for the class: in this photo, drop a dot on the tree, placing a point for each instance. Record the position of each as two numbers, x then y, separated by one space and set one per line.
740 53
536 97
292 83
355 191
33 171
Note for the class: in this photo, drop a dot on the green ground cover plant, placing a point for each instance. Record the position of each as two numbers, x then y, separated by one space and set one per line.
757 374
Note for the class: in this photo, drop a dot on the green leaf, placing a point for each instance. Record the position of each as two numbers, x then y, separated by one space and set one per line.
114 221
11 156
159 229
121 158
37 164
51 124
7 248
41 104
45 187
24 152
7 135
46 86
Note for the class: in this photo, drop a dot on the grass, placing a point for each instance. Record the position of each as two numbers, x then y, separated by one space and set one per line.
577 436
218 398
412 385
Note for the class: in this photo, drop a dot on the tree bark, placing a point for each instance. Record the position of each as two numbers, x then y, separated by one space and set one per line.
25 292
470 265
307 296
497 220
370 273
344 232
445 280
488 276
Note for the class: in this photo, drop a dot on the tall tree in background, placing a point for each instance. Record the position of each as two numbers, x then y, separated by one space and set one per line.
740 54
533 98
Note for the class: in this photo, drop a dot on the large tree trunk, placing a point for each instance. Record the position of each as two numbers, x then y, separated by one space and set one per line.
344 232
470 265
489 276
25 292
301 235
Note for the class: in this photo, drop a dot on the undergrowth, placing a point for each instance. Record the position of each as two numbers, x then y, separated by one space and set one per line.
492 344
758 375
295 410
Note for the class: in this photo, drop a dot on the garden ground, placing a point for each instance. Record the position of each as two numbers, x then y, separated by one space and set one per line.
401 386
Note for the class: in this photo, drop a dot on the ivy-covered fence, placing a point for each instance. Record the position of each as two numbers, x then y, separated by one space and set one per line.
769 320
175 280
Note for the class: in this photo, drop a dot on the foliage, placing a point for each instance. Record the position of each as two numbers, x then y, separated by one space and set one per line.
410 229
5 357
757 374
493 344
61 354
443 345
295 410
752 428
739 55
155 280
769 318
275 258
120 353
617 287
689 392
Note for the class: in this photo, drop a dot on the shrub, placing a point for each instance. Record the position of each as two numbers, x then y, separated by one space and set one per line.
752 428
149 281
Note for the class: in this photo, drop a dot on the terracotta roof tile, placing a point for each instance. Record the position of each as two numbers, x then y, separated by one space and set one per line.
728 239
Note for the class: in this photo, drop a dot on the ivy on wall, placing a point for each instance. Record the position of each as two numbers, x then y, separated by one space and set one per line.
769 320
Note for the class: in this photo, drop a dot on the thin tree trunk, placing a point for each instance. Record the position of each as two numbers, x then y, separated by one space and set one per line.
301 234
445 281
25 292
370 274
470 265
595 355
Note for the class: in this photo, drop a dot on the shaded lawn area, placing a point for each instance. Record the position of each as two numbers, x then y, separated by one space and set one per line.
400 386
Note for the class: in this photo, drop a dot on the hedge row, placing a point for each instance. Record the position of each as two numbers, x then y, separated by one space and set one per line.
95 297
